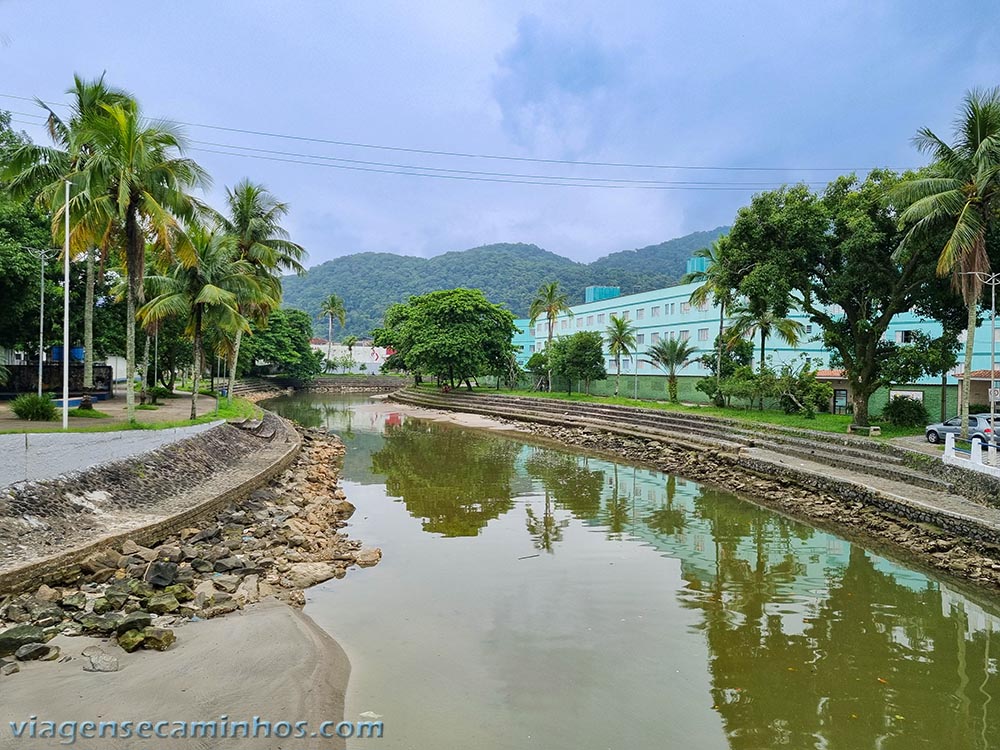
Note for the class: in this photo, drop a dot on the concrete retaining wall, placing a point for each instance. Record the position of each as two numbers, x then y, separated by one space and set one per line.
32 457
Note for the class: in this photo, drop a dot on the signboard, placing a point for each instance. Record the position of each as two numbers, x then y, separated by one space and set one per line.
994 394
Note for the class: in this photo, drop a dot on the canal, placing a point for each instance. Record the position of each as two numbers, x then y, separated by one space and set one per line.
537 598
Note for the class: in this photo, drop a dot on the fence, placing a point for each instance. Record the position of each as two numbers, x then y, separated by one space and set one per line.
24 379
974 458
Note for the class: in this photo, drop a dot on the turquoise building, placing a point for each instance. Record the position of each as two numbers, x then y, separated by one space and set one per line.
668 313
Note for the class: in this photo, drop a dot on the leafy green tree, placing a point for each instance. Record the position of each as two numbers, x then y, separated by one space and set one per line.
620 337
670 355
454 334
851 233
799 391
284 343
206 292
714 287
550 303
332 308
579 357
253 218
133 189
538 368
960 191
735 353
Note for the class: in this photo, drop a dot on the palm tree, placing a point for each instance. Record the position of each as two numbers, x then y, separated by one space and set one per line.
137 186
748 322
669 355
713 286
332 308
551 303
349 342
959 192
214 289
254 218
42 170
621 340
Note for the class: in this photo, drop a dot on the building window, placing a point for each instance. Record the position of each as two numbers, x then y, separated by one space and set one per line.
540 329
640 314
809 329
654 339
565 323
685 335
673 308
685 307
904 337
703 306
600 318
531 347
642 365
703 334
611 365
626 315
654 312
590 320
640 338
579 322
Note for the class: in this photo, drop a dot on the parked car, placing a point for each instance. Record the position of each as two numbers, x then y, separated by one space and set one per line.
979 426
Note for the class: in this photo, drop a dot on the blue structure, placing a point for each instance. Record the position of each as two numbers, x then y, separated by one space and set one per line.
523 341
598 293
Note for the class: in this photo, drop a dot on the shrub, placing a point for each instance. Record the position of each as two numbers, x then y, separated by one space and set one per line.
979 408
905 412
33 407
158 392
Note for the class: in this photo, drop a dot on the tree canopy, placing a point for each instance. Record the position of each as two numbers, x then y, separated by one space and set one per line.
454 334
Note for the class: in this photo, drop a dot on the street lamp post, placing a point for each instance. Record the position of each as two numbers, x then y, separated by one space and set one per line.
65 405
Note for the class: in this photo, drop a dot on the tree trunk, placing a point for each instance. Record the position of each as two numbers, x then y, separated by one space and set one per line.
944 395
672 387
197 361
329 341
548 355
144 375
718 354
88 326
232 365
859 402
967 374
618 372
130 353
763 343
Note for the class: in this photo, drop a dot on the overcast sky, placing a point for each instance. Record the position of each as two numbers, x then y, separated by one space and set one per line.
721 84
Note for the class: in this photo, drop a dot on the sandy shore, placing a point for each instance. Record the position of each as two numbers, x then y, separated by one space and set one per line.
268 660
382 404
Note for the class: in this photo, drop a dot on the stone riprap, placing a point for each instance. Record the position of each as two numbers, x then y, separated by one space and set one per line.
280 540
36 456
41 519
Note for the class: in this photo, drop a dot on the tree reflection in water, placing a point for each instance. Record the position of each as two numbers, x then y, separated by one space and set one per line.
454 481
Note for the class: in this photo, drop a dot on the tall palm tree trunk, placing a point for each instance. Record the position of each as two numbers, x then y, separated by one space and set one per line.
548 356
967 374
130 353
232 365
329 340
88 326
197 361
763 343
618 372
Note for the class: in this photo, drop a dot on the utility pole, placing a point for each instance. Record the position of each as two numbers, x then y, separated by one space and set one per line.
43 255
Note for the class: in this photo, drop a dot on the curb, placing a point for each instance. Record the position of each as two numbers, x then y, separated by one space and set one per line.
65 565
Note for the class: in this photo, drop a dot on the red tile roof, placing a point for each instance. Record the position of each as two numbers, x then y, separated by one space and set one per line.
829 374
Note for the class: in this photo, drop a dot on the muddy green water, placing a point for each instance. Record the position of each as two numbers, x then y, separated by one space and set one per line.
535 598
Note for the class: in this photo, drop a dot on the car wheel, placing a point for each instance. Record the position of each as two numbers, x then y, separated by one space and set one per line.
933 437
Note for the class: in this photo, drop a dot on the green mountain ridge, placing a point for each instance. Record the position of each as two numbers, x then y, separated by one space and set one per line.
509 273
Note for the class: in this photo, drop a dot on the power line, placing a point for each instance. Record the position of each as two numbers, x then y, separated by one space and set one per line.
474 179
467 155
478 172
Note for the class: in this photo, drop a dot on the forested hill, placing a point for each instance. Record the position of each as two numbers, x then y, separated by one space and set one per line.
507 273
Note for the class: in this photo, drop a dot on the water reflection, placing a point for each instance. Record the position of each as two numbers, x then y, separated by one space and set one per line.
455 484
805 639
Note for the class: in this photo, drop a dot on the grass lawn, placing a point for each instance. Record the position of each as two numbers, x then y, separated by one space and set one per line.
822 422
238 409
88 414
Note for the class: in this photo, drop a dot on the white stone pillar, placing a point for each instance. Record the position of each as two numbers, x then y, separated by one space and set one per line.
977 450
949 444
